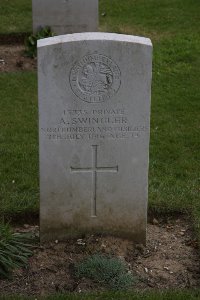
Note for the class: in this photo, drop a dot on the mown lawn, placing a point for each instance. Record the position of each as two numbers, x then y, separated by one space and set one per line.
154 18
174 295
18 143
15 16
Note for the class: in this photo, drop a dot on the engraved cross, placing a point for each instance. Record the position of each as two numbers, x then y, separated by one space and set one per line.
94 170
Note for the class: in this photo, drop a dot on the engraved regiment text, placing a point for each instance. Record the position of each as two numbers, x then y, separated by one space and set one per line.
94 124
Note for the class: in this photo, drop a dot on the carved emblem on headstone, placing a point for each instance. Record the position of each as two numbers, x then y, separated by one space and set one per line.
95 78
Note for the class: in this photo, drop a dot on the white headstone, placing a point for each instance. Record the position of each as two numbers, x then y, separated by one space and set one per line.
94 121
65 16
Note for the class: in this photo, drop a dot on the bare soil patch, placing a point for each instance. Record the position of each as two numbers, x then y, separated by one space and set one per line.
13 59
170 260
13 38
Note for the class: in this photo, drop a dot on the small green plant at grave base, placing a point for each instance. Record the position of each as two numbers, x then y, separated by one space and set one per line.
15 249
105 270
31 41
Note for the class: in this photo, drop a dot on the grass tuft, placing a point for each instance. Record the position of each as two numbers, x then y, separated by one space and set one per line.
105 270
15 249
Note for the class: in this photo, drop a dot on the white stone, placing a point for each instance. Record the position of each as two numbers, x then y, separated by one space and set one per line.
65 16
94 122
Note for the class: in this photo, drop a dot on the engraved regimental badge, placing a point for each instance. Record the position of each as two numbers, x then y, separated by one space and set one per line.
95 78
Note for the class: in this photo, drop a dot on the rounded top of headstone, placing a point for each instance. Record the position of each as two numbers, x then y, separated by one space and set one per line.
89 36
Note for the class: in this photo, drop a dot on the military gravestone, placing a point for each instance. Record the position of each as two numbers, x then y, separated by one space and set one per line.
65 16
94 108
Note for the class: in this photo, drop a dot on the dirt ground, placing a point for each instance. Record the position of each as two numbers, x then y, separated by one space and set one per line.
170 260
13 59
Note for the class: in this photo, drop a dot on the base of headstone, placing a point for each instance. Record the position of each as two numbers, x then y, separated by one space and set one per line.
63 233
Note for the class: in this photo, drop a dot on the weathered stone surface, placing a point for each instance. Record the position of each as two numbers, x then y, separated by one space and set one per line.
94 108
65 16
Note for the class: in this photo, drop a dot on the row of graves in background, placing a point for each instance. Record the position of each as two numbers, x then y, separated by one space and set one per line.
65 16
94 125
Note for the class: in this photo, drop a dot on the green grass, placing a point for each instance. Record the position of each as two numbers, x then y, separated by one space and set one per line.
175 295
174 178
174 152
15 249
153 18
15 16
18 143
